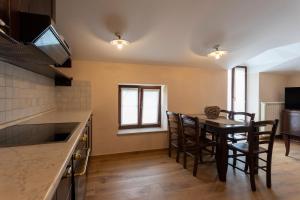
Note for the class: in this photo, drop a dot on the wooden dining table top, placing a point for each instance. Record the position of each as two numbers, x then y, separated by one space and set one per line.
221 122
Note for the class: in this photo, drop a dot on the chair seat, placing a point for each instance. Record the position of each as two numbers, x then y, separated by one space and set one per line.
237 137
192 145
244 148
207 142
174 143
174 136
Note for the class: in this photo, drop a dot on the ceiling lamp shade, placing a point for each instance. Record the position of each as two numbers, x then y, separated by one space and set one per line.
119 43
217 54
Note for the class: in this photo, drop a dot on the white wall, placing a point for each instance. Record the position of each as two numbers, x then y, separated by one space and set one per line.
253 94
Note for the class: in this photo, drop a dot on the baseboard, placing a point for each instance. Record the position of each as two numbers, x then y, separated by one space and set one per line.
129 153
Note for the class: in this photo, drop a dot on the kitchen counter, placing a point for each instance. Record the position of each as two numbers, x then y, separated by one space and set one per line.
33 172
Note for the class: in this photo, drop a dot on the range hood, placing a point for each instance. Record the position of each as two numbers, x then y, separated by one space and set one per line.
40 31
51 44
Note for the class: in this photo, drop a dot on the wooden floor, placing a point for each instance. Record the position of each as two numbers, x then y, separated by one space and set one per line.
155 176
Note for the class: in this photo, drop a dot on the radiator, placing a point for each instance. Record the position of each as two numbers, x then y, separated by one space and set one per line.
271 111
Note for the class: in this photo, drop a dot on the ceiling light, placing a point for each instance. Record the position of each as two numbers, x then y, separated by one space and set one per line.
217 54
119 43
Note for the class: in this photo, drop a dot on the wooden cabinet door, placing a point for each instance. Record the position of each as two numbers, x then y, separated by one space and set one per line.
44 7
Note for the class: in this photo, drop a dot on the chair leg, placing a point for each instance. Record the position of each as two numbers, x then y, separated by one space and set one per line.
246 164
170 150
200 156
178 154
269 183
234 158
252 173
213 137
184 160
196 162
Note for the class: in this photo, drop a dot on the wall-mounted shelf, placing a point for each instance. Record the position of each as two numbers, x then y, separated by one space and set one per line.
30 58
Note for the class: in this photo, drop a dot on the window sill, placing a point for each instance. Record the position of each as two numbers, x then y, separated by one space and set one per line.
141 131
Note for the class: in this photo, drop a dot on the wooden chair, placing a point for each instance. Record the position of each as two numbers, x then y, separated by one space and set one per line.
236 137
253 149
194 140
226 113
175 138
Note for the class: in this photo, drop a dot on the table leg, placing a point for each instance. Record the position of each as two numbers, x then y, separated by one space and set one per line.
287 144
222 156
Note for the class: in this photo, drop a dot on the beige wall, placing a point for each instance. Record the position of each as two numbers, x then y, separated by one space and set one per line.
272 87
190 89
294 80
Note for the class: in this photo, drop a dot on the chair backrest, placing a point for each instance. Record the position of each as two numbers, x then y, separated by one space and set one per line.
226 113
173 125
256 134
244 115
190 128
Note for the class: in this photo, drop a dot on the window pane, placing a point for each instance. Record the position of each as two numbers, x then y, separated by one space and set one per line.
129 106
239 90
150 106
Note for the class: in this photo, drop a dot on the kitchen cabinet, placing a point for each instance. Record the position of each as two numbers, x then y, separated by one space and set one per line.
43 7
73 183
64 190
9 12
26 56
4 11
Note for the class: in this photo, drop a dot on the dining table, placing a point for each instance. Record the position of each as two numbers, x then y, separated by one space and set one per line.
222 127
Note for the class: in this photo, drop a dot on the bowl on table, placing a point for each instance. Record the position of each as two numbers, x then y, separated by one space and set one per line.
212 112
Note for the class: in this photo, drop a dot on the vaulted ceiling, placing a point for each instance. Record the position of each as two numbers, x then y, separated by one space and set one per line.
263 34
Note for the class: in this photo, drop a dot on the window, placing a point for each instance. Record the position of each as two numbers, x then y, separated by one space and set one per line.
239 89
139 106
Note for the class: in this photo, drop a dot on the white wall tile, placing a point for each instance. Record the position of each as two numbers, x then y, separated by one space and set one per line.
23 93
2 92
75 97
2 105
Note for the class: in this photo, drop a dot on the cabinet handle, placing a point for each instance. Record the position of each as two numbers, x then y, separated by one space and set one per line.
68 171
77 155
83 171
84 138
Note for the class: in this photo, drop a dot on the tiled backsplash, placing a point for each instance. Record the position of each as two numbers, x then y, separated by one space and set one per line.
77 97
23 93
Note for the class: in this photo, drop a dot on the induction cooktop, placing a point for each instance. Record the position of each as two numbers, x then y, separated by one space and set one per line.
31 134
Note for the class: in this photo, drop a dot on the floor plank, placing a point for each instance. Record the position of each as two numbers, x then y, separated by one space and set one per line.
155 176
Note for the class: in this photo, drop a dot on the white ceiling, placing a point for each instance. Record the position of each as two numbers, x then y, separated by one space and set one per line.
182 32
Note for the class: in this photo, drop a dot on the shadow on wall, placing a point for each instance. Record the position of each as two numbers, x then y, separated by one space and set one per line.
115 24
201 44
205 45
